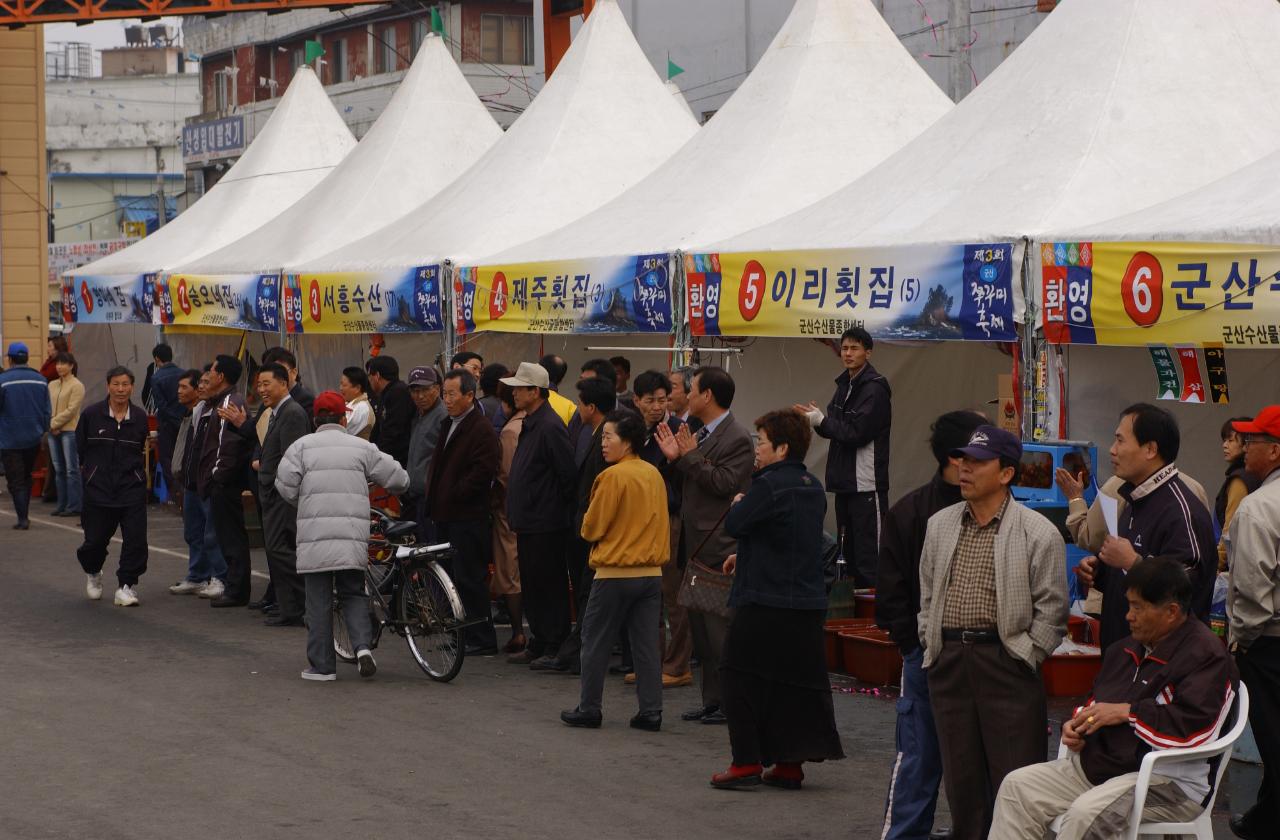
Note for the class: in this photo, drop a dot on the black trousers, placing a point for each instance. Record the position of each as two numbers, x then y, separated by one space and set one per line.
709 633
860 518
991 715
1260 671
472 546
100 525
544 581
228 523
18 464
581 575
280 533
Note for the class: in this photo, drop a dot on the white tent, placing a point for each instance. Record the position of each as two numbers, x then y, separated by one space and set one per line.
834 95
432 130
601 123
301 143
1109 106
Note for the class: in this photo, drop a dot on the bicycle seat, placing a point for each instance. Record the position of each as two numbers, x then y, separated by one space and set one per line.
400 530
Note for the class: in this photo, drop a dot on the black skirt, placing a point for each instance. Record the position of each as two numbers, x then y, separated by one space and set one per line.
776 692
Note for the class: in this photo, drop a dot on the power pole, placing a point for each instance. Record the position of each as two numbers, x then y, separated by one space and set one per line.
160 216
958 37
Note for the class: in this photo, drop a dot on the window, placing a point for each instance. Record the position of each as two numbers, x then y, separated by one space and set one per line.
421 26
298 58
385 47
506 39
223 90
337 59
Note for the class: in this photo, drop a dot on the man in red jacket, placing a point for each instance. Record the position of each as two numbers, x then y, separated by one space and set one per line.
1169 684
463 469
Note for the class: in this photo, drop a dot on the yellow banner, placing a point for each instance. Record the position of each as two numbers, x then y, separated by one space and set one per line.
1140 293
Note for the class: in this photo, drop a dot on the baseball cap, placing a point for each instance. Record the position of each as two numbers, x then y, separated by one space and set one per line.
1266 423
423 376
528 375
989 443
17 348
329 402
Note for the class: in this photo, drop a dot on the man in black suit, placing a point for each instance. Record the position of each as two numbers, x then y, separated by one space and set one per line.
297 391
288 422
463 469
714 465
394 408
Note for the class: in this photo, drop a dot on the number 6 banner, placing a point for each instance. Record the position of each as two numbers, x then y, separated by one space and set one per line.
1142 293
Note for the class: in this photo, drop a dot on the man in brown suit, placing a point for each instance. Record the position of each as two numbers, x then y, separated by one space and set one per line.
463 470
714 466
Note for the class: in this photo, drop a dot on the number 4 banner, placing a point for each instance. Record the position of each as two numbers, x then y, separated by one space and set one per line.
1142 293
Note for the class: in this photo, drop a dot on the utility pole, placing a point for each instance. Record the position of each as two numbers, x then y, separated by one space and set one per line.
959 34
162 212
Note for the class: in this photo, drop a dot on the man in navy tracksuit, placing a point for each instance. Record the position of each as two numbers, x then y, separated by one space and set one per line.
112 439
1161 517
857 423
24 417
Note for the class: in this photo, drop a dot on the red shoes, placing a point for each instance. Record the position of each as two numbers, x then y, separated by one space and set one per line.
784 775
737 776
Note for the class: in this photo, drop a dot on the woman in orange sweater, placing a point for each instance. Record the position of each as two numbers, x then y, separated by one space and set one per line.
630 535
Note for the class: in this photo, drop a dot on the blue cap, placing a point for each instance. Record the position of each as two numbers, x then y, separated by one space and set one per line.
989 443
17 348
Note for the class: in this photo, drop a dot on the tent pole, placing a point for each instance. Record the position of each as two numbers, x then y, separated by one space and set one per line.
448 313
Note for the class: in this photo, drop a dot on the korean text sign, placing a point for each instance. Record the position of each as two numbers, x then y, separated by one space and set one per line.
357 303
1141 293
606 295
948 292
108 299
231 301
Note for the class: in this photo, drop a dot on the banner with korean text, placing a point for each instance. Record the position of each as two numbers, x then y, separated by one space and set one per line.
603 295
231 301
397 301
1142 293
108 299
943 292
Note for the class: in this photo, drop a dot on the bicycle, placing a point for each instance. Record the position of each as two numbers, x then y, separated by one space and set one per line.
411 594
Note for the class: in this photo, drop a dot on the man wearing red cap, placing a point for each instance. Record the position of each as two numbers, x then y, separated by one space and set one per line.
1253 554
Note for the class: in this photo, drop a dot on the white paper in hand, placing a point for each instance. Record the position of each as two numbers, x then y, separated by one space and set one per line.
1110 512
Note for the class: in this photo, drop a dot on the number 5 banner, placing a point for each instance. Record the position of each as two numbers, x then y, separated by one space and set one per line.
1142 293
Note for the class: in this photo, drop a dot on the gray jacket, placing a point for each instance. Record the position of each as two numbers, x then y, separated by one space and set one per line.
422 445
326 475
289 424
1031 582
1253 553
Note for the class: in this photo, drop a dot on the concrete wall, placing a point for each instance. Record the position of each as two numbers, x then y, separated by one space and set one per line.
140 61
23 223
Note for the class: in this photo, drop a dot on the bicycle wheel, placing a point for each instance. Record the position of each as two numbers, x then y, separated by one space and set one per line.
430 608
341 636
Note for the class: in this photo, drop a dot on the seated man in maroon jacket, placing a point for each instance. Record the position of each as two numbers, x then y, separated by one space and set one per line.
1171 683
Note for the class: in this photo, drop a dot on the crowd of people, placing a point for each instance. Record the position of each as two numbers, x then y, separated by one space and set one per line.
640 513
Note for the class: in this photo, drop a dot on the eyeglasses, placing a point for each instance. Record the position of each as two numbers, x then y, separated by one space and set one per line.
1249 440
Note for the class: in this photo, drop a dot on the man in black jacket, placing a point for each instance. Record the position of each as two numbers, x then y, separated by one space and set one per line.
540 508
857 423
112 439
1161 516
224 468
917 770
1169 683
297 391
596 398
394 409
288 422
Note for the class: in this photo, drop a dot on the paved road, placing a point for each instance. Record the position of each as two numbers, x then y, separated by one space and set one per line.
175 720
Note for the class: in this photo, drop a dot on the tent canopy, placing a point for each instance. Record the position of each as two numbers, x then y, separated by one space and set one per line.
1108 107
432 130
834 95
603 122
301 142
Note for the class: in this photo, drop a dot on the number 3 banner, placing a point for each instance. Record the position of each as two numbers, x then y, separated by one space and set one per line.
1141 293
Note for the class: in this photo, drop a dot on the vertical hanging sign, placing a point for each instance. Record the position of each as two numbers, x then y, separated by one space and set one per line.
1169 387
1215 363
1192 385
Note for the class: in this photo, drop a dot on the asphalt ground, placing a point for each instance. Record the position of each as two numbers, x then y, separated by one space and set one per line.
174 720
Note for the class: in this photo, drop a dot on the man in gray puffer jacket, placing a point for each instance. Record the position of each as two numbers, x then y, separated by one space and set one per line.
326 475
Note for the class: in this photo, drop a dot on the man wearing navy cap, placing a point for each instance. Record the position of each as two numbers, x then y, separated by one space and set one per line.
24 417
993 606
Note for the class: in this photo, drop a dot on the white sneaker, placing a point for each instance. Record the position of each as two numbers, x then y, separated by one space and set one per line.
213 589
93 586
126 597
368 667
188 587
318 676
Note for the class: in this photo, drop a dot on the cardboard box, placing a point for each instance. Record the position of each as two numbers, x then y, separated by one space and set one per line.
1005 409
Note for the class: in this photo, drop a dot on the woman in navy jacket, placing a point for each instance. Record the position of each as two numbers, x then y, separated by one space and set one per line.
777 695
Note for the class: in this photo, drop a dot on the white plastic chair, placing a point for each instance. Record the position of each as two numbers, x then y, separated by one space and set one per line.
1201 826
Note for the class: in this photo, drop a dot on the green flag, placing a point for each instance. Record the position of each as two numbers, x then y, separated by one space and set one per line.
673 69
437 22
312 50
